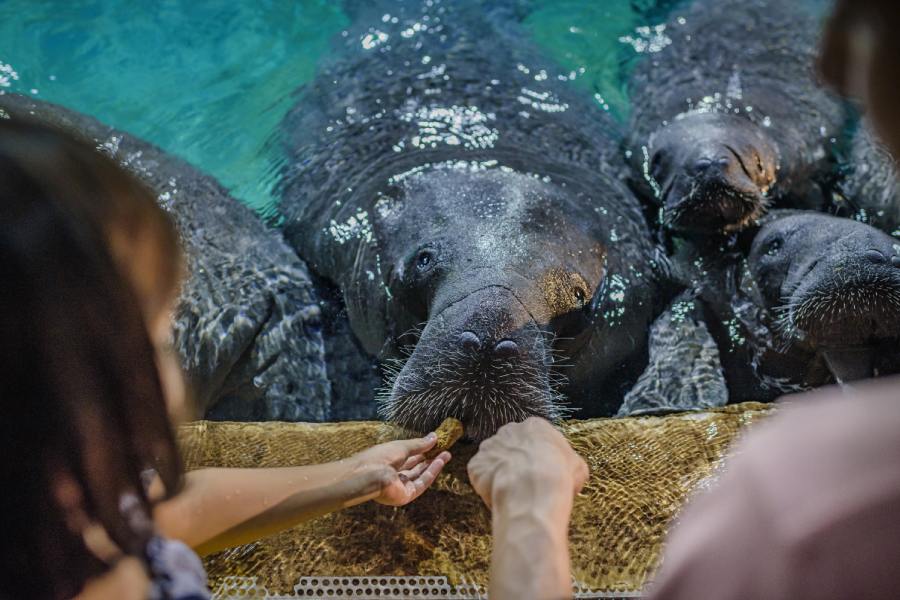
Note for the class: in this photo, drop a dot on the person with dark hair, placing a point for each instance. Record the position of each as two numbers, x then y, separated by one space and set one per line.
808 505
94 501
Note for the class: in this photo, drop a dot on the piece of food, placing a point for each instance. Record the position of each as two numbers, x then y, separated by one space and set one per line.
447 434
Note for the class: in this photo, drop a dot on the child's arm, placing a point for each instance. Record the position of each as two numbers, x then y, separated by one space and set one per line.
220 508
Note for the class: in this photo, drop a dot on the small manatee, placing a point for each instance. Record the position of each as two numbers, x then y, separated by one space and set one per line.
832 286
806 300
729 118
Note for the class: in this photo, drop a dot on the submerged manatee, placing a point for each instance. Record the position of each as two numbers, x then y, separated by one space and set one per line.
834 287
248 323
728 117
872 188
815 300
468 208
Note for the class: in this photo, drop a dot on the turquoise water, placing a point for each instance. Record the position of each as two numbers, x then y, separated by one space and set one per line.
210 81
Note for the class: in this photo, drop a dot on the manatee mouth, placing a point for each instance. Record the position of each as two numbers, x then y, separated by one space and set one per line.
711 205
439 380
854 310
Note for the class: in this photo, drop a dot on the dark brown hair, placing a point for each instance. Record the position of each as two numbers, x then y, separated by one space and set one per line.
80 394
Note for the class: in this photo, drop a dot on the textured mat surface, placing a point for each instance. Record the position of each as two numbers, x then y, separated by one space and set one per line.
642 470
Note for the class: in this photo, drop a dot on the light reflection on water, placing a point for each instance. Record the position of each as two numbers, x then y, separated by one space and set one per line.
211 82
208 81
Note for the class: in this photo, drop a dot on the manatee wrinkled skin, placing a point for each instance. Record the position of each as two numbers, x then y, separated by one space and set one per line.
248 324
684 372
728 117
469 212
871 189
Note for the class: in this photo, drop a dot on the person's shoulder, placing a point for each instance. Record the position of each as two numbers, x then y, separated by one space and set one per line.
837 422
810 494
824 456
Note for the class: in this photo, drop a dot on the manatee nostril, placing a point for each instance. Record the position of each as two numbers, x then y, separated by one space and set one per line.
702 165
469 341
723 161
506 349
895 260
875 256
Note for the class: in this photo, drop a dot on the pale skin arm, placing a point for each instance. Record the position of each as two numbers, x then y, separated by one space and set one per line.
528 475
221 508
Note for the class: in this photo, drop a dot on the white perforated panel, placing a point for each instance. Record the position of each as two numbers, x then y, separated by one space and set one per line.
382 588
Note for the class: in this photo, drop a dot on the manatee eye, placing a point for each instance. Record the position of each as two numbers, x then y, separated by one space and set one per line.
580 297
415 279
425 259
774 247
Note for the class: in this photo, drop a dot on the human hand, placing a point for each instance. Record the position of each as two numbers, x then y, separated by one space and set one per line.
401 471
527 460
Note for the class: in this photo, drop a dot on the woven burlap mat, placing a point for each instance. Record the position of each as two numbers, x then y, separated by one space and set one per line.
642 470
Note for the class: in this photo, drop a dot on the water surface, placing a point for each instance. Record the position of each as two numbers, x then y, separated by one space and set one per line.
211 81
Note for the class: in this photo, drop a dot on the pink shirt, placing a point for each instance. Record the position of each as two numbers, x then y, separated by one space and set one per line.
809 507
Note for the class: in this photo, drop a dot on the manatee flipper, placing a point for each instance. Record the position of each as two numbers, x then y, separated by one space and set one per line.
684 370
248 325
354 375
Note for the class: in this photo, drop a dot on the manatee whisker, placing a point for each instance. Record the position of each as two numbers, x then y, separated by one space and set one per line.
414 332
485 395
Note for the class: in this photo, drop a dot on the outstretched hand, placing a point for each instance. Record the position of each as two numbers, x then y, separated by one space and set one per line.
402 471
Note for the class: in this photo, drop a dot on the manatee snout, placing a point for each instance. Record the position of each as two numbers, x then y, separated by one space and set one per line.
850 297
482 359
711 173
833 282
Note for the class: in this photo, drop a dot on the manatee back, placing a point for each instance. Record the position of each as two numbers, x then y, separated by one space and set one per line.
248 327
418 82
754 58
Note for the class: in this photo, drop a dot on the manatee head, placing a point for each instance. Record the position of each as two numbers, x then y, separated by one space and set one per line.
710 172
833 285
492 277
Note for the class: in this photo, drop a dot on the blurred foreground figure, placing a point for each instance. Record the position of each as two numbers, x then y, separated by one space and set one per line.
94 501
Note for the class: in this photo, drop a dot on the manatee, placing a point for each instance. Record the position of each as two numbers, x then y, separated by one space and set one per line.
248 325
728 118
807 300
833 287
871 189
468 210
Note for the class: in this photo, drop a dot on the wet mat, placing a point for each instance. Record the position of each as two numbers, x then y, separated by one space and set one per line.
642 470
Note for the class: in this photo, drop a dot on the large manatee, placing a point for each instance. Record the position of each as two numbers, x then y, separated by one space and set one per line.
467 209
248 326
729 117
